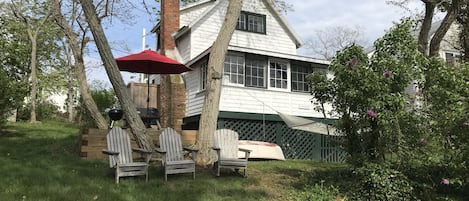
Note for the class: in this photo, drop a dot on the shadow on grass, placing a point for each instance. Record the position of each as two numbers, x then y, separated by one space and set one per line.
303 173
40 162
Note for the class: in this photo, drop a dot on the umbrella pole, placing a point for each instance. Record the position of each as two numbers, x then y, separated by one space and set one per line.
148 94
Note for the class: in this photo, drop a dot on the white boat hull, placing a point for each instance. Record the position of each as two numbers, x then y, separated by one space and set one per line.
261 150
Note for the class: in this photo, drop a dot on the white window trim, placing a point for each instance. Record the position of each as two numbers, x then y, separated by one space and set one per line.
225 81
309 89
270 60
264 76
201 84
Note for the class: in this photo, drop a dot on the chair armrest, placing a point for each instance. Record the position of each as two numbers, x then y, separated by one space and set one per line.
109 152
159 150
193 150
245 150
218 150
145 153
142 151
190 149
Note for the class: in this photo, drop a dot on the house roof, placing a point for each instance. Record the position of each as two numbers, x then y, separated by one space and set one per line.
271 7
261 52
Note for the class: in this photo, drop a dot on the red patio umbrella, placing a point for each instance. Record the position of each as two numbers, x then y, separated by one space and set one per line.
150 62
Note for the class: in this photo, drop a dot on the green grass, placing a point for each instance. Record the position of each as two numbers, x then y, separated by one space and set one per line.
40 162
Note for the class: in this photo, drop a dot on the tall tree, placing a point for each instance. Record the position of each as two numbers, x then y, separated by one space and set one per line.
430 45
209 116
136 124
77 48
329 40
452 11
33 14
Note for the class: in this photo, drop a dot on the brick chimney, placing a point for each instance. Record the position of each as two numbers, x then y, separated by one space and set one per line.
172 103
169 23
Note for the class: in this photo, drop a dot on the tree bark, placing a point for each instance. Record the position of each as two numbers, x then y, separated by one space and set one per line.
426 26
130 112
88 101
450 17
70 85
464 38
209 116
33 38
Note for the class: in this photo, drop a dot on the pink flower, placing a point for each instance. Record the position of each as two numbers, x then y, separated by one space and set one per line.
387 73
372 114
445 181
352 62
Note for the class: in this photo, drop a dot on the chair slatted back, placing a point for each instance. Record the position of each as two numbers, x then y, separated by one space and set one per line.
118 140
170 141
227 141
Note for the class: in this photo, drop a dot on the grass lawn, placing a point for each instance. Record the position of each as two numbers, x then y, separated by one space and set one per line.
40 162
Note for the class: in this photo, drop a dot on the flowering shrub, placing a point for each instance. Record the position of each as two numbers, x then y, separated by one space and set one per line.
398 107
369 95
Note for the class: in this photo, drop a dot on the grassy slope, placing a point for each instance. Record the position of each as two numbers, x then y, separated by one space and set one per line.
40 162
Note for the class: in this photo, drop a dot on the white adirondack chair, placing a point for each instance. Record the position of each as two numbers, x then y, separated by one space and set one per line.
226 146
173 154
120 155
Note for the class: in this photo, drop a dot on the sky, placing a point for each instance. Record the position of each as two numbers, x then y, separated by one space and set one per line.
307 16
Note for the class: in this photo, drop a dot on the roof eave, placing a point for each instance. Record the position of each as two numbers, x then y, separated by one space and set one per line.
283 21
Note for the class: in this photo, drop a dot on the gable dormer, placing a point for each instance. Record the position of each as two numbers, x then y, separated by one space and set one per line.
260 27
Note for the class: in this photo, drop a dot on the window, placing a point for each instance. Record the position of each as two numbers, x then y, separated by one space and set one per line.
233 71
299 71
203 75
255 67
452 58
278 74
251 22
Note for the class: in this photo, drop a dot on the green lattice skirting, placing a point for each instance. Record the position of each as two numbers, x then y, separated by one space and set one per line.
296 144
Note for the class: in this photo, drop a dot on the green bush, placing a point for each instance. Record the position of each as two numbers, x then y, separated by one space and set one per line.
44 111
12 94
380 182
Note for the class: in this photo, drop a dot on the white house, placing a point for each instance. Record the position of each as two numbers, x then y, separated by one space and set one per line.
262 74
450 47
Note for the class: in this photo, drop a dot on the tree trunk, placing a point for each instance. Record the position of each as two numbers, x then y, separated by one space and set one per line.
130 112
450 17
209 116
80 67
426 26
464 37
33 38
70 81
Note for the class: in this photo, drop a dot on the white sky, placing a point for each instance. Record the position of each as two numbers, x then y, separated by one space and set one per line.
374 16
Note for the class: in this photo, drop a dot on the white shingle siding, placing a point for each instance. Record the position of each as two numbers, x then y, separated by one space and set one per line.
204 34
252 100
188 15
276 38
184 49
195 98
450 41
